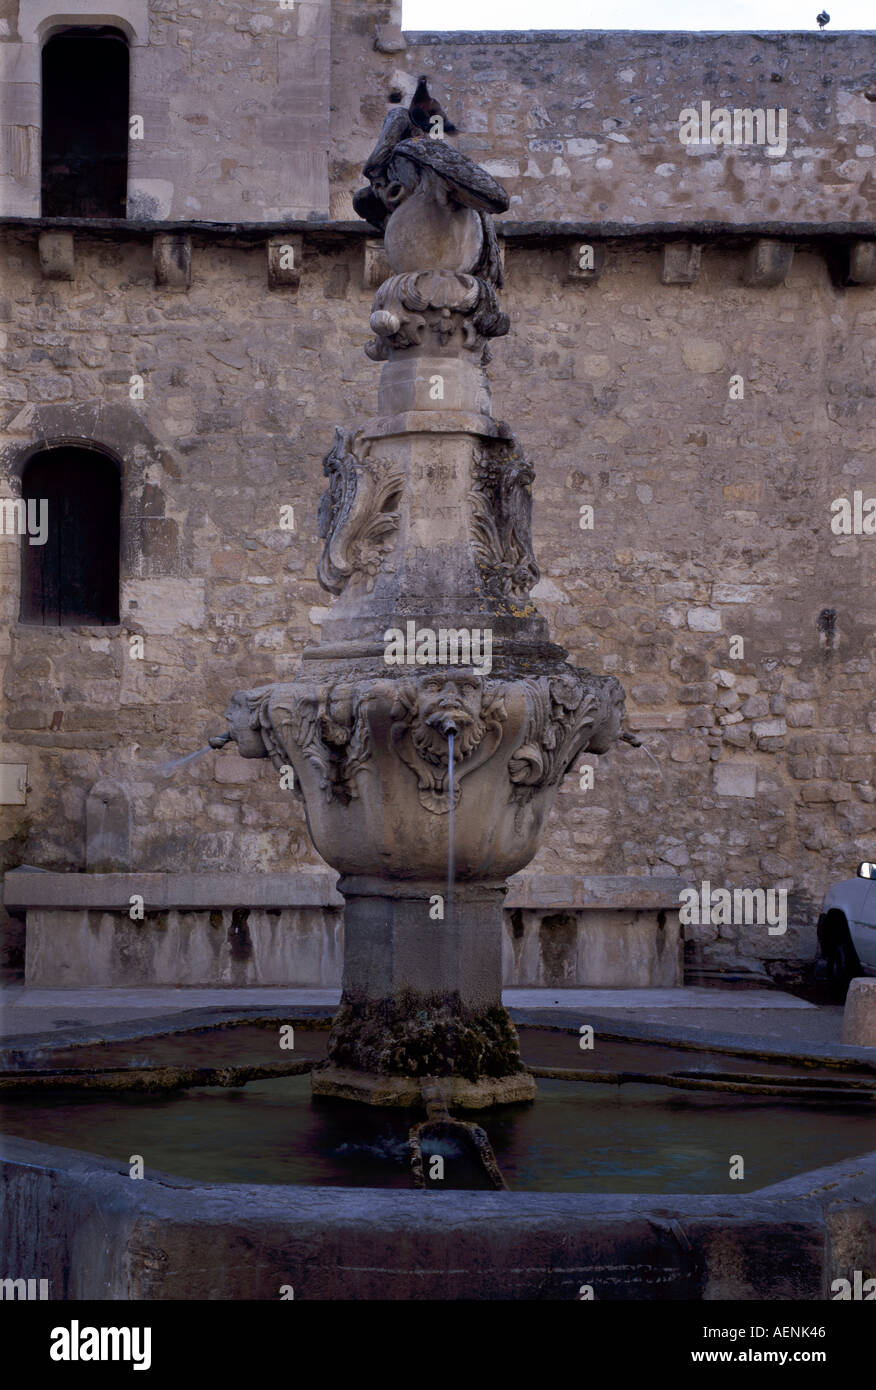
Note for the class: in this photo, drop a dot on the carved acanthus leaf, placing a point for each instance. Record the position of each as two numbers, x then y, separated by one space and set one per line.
568 715
501 501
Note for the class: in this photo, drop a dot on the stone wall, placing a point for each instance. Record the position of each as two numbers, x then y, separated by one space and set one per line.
234 99
711 514
584 126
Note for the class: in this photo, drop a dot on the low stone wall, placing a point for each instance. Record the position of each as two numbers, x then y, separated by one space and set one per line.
76 1220
287 929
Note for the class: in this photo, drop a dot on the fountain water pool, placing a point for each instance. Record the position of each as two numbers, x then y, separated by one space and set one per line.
583 1136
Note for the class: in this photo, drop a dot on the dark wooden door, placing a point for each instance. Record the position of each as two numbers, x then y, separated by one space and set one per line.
74 577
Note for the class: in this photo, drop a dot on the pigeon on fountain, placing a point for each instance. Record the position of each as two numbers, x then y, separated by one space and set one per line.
439 181
424 108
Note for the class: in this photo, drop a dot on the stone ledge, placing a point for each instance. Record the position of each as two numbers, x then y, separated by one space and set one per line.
28 888
615 892
25 889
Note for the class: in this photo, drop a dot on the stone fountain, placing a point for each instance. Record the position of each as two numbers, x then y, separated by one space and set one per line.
430 729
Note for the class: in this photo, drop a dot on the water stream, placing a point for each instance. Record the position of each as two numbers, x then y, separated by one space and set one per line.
653 759
165 769
451 867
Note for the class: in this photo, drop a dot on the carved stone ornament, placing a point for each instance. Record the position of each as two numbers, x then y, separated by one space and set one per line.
568 714
424 710
501 501
440 303
358 515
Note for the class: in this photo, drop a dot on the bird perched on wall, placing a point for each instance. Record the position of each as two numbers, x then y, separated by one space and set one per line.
822 19
423 108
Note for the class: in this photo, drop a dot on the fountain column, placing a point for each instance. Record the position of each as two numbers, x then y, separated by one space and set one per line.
434 643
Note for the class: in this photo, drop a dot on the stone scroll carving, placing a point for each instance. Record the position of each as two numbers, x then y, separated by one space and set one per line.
568 715
358 514
330 727
501 501
437 303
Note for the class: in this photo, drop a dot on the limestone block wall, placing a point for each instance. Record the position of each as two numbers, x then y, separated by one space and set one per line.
708 425
233 95
584 126
711 522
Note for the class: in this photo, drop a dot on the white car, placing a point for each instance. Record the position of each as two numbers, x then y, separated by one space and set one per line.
847 929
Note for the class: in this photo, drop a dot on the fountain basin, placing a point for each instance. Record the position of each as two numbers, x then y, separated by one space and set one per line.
78 1220
211 1220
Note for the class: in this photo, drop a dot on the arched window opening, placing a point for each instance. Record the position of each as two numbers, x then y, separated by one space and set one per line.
85 123
70 556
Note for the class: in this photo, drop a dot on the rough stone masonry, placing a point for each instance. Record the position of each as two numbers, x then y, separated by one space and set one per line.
690 368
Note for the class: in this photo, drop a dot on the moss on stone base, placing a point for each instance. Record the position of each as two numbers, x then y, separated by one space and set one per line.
413 1036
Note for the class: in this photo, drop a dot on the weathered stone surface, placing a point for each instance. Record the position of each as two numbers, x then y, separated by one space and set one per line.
681 263
862 263
789 1241
859 1016
768 263
172 258
57 256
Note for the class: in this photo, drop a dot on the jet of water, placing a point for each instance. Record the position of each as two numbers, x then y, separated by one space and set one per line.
165 769
451 868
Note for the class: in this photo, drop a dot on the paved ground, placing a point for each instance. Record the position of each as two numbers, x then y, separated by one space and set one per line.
767 1014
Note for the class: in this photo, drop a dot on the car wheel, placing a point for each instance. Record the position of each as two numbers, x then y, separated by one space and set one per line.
840 955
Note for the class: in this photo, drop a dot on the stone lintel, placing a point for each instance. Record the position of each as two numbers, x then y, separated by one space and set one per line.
57 256
285 258
172 259
28 888
681 263
768 263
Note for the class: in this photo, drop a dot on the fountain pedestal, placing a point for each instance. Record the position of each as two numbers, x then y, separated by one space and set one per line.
422 997
434 722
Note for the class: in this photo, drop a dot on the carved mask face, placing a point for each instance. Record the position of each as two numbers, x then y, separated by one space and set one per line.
449 706
240 721
607 728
